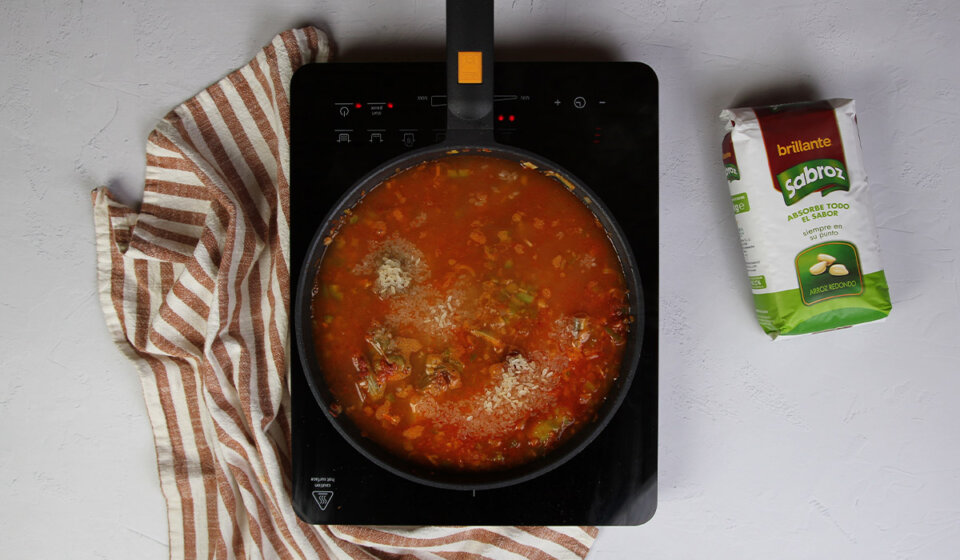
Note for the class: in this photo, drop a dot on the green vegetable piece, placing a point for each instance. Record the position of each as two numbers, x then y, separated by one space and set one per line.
616 338
525 297
547 429
333 291
374 389
380 341
543 430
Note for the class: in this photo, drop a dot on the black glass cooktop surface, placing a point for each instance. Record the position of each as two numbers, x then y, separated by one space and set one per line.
599 121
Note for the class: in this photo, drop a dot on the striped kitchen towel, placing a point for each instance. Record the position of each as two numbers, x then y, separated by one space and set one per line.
195 290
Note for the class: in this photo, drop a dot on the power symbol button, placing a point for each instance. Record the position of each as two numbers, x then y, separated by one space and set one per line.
579 102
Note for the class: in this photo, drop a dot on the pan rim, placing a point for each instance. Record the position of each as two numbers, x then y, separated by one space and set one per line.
452 478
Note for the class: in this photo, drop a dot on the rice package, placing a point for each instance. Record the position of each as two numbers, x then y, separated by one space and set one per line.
799 192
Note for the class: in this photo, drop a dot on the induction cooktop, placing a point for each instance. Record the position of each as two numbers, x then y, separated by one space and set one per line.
596 119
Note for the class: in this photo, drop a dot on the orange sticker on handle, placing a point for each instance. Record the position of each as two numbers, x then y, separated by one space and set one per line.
470 67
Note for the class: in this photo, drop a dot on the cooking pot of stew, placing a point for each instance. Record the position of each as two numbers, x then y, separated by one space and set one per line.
469 315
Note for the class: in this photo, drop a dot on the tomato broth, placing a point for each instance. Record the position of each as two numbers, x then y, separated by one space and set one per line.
469 313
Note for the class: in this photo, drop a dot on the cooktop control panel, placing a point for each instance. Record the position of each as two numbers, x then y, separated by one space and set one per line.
417 120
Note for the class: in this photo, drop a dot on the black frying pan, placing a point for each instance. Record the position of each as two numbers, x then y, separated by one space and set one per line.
469 131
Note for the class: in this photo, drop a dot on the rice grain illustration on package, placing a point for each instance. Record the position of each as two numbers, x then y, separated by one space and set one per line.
799 192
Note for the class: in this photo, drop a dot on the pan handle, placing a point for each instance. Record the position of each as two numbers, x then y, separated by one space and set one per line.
470 70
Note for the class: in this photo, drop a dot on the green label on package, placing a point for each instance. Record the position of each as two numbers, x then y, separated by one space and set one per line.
828 270
740 203
823 175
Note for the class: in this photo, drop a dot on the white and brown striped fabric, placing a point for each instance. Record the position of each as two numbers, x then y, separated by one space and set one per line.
195 289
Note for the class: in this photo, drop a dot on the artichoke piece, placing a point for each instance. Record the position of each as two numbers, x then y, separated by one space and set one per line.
441 373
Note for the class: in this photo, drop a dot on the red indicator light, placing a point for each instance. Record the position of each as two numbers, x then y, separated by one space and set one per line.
389 105
358 105
512 118
499 117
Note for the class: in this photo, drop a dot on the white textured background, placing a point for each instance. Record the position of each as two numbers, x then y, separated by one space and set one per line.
840 445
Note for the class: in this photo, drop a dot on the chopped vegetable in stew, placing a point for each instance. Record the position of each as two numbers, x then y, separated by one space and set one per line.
470 313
